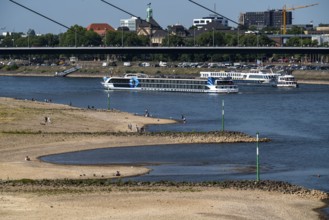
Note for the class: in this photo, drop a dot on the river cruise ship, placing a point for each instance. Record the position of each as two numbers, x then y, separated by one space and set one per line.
144 83
286 81
254 76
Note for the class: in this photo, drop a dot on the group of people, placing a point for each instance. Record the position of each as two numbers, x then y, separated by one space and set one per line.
91 107
147 114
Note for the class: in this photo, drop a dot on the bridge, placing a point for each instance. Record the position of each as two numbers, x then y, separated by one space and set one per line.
162 50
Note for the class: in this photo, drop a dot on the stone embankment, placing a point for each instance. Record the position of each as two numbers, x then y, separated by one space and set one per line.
208 137
188 137
90 185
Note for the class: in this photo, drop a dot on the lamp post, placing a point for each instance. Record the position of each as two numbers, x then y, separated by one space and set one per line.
238 36
108 99
75 33
105 37
194 35
28 45
223 115
213 37
301 39
121 36
257 157
28 38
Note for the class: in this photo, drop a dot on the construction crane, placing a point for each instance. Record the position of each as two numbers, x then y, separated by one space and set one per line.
284 14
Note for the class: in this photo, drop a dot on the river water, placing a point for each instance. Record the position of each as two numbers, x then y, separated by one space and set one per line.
296 120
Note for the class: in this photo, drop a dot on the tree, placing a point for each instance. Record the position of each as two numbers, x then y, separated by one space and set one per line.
132 39
117 38
230 40
79 36
92 39
273 30
264 40
49 40
309 43
211 38
173 40
295 30
294 42
11 40
248 40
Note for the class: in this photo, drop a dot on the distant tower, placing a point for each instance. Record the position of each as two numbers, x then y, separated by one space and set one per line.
149 12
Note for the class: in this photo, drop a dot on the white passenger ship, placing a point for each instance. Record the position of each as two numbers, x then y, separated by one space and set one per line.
254 76
286 81
145 83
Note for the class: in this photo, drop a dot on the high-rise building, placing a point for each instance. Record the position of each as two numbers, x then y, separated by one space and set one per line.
270 18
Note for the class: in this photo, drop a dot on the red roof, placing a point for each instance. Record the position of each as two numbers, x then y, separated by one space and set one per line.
100 28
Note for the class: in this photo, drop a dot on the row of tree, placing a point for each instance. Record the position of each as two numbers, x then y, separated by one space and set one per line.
78 36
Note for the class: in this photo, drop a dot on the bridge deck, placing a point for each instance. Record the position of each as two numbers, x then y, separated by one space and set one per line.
163 50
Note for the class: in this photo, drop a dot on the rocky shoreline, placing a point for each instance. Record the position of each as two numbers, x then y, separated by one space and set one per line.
88 185
175 137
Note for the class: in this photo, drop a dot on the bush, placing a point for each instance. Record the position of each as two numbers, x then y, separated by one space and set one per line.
11 67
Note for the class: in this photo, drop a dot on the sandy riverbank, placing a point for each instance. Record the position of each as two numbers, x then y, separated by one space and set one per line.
158 203
24 132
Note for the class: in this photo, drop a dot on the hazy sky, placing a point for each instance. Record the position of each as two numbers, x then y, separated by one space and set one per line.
166 12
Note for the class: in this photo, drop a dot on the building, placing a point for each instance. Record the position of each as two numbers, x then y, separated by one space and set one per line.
322 29
270 18
150 28
130 23
178 30
322 39
100 28
147 27
201 22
